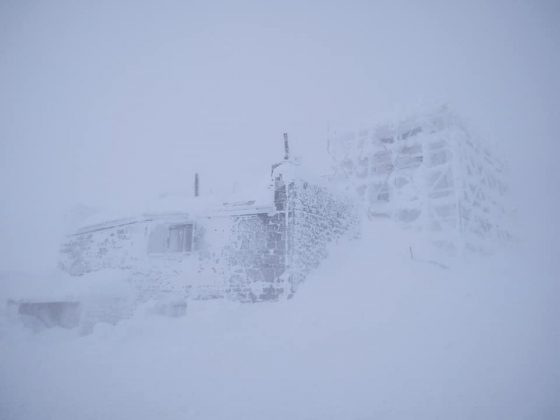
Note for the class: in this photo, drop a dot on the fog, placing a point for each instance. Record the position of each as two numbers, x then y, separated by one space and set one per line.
115 102
108 104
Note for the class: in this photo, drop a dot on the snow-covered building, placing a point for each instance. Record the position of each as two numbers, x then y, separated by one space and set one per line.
248 250
430 174
251 249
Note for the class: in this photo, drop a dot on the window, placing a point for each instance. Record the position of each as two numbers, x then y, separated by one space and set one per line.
180 238
171 238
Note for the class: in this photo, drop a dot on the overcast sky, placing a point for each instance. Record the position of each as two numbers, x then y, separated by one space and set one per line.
111 102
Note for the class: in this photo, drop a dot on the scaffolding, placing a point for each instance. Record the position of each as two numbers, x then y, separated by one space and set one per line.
428 173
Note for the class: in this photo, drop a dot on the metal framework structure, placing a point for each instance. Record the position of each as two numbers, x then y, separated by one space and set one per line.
429 174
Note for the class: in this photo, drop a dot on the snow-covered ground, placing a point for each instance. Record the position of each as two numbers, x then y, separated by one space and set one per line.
372 334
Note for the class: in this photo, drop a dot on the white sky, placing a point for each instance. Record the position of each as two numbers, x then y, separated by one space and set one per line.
107 103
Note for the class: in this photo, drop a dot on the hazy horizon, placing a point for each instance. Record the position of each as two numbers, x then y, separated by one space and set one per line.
111 103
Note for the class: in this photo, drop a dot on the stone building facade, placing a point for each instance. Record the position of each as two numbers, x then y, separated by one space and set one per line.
247 251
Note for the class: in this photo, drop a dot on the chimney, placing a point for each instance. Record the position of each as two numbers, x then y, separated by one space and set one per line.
196 184
286 147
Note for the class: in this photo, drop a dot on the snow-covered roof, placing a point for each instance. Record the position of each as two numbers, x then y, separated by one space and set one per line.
258 199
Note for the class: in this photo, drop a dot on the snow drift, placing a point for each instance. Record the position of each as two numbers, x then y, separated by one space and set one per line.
372 334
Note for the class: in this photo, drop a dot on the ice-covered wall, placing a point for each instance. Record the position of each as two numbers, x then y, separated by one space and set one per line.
112 246
318 217
427 173
251 259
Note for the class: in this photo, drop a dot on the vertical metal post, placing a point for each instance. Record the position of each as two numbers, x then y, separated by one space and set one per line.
196 190
287 242
287 260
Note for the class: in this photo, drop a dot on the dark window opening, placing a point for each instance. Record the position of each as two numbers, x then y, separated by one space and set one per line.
180 238
171 238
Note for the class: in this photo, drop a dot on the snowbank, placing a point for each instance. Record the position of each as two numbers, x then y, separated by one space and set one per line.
371 334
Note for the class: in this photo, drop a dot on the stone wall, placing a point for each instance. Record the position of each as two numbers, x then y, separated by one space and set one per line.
254 257
120 246
317 218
